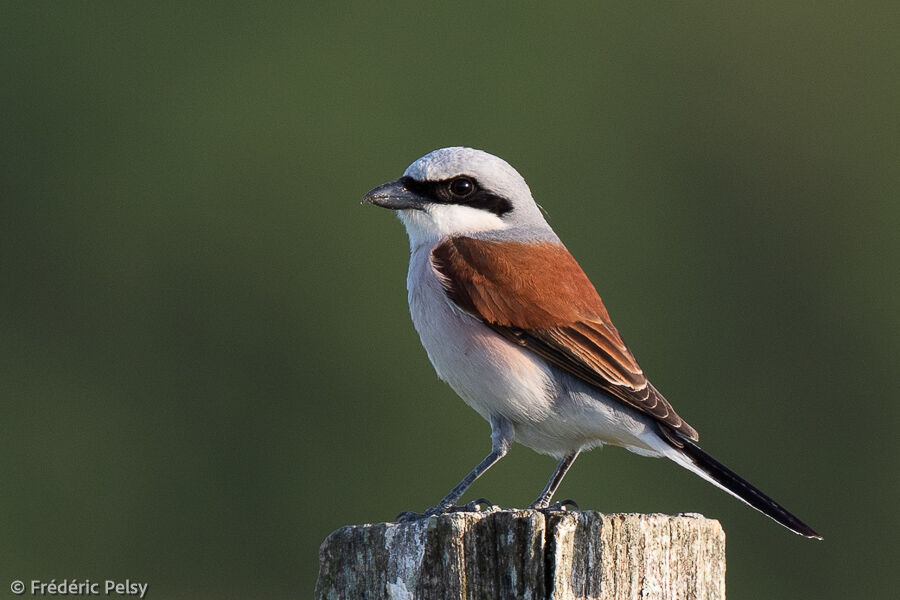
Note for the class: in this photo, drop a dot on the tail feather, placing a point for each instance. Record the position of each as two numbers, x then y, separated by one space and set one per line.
716 472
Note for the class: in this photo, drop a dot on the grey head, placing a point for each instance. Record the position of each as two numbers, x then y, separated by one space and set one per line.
461 191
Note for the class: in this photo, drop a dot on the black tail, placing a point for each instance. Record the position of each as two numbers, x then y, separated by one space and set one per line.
746 492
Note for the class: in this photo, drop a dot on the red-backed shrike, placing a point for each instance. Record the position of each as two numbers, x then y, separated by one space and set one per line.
513 324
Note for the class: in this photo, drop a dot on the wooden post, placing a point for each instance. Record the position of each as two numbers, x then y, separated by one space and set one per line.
527 554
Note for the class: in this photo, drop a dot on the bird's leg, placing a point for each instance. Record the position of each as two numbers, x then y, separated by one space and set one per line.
562 467
502 435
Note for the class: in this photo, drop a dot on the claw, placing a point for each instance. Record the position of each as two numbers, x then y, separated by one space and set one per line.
408 516
556 506
473 506
562 505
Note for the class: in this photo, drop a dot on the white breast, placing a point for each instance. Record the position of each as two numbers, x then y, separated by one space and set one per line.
490 374
551 412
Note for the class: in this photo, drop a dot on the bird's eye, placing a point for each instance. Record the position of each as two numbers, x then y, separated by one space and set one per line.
462 187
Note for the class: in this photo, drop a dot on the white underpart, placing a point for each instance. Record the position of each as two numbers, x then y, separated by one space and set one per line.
439 221
551 412
490 374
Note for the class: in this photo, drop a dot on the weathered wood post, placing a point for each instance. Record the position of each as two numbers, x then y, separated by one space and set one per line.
527 554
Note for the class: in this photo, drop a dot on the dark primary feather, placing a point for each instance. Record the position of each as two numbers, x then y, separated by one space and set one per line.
746 491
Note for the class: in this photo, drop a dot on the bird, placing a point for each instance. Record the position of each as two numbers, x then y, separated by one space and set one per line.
512 323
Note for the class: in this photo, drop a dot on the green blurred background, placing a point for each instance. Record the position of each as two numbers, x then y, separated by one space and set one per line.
206 361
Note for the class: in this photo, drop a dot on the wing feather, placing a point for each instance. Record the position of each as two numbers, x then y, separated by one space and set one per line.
505 284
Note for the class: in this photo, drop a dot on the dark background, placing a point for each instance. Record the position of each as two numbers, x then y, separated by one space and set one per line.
206 361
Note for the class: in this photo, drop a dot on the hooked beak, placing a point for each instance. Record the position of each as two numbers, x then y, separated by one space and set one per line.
395 196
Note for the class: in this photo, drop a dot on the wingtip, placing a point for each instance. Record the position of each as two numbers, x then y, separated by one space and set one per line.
717 473
810 534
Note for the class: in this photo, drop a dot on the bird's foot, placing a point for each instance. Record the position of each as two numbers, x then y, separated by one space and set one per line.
562 505
473 506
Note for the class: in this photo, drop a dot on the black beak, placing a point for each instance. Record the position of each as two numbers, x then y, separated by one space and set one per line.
395 196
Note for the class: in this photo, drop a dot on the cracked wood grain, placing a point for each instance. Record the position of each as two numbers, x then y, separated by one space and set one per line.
527 554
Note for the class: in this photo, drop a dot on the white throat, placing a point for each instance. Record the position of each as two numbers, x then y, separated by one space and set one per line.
439 221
